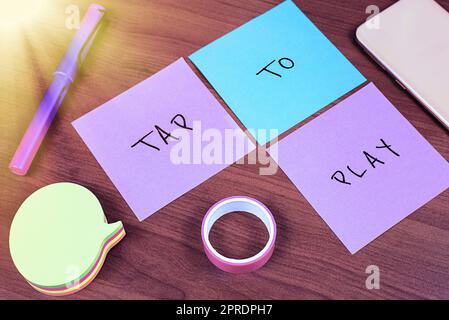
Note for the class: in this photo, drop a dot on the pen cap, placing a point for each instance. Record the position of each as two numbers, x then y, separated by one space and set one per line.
82 41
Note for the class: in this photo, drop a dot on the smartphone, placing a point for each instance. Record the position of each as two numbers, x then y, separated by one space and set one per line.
410 40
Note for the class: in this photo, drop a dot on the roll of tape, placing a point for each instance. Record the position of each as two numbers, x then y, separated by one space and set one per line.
233 204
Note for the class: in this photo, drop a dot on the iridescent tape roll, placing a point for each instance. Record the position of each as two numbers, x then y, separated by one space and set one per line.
233 204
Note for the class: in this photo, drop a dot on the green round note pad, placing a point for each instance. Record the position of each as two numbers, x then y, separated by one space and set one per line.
59 238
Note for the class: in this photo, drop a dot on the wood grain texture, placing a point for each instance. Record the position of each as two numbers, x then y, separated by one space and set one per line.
162 257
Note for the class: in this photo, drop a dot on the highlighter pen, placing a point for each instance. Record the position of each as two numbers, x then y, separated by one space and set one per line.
53 98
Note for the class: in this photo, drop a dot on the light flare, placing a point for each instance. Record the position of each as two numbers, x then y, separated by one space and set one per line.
16 13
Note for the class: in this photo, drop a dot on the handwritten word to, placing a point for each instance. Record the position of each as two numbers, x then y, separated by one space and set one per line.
340 177
179 120
285 63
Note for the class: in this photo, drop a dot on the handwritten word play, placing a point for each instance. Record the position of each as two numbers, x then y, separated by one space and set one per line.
179 120
340 177
285 63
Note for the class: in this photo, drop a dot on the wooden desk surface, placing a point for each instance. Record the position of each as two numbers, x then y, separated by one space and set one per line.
162 257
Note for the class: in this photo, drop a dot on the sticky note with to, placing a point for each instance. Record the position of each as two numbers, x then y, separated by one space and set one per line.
162 138
363 167
276 70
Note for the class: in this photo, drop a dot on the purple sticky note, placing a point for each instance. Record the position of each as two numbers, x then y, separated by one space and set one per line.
363 167
162 138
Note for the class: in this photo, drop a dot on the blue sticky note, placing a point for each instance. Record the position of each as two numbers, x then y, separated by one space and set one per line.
276 70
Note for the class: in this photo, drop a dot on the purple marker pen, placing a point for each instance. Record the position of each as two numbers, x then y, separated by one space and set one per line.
53 98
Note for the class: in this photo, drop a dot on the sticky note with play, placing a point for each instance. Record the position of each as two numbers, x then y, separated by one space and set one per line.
276 70
363 167
162 138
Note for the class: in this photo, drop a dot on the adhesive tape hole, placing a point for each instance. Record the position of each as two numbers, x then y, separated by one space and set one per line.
238 235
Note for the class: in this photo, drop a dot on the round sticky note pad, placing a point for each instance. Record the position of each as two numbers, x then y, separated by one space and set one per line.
59 238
